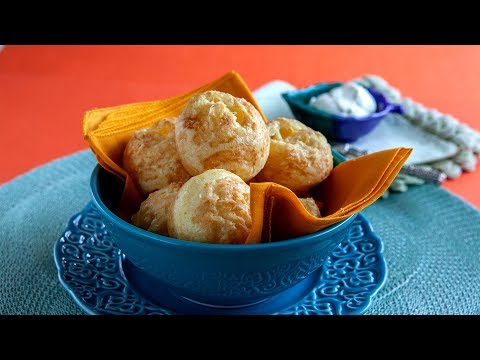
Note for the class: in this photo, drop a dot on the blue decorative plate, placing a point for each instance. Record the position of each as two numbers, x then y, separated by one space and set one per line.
102 281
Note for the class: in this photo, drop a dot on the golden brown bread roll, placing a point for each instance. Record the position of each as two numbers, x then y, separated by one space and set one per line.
219 131
212 207
299 158
153 213
310 206
151 157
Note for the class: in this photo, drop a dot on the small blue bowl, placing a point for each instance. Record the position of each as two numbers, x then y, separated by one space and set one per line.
216 275
336 127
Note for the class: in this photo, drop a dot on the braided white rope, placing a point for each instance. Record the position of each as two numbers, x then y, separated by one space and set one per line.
433 121
401 183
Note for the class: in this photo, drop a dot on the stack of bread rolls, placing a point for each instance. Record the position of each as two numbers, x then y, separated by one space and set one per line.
196 168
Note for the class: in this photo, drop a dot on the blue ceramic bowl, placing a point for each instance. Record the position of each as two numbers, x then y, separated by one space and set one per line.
336 127
213 274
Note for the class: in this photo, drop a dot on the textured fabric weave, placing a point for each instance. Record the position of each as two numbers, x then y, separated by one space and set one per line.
431 238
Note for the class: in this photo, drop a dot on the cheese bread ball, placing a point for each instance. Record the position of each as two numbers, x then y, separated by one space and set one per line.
151 157
153 212
219 131
300 157
310 205
212 207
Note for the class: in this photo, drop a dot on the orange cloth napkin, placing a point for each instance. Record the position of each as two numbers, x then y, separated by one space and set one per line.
277 213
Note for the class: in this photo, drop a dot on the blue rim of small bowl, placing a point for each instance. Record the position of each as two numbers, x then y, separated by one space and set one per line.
291 98
172 242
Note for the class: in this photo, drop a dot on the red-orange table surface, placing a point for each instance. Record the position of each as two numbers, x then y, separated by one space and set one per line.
44 90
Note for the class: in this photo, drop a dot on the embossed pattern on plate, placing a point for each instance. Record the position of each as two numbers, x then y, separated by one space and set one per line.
90 268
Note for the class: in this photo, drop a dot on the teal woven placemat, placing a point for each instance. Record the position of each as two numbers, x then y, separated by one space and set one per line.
431 238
